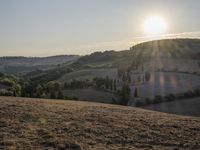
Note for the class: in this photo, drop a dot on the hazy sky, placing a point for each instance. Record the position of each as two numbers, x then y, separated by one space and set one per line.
51 27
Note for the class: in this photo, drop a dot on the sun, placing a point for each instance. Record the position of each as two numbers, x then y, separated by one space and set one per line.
155 26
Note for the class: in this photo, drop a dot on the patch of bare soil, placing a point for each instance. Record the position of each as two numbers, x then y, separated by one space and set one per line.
52 124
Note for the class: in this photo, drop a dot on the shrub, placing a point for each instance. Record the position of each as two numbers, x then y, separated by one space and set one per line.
157 99
189 94
7 81
1 74
4 92
114 101
139 103
170 97
52 95
74 98
197 92
60 95
124 94
147 101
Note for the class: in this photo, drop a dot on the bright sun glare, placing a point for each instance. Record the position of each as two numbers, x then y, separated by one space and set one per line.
155 26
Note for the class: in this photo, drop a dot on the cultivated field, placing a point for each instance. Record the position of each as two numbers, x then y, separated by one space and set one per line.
163 83
53 124
89 74
190 107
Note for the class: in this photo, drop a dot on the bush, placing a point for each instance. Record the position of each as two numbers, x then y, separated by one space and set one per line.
157 99
125 93
114 101
7 81
139 103
74 98
71 98
147 101
60 95
1 74
189 94
170 97
53 95
197 92
4 92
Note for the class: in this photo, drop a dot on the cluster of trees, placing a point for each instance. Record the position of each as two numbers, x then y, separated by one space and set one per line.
77 84
52 89
12 85
97 82
105 83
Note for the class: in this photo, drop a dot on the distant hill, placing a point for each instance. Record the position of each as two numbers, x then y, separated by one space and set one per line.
14 65
173 57
168 53
46 124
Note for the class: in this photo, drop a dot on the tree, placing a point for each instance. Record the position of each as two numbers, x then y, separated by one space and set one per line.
53 86
39 91
43 95
60 95
16 89
136 93
1 74
111 84
107 82
53 95
115 87
125 92
99 82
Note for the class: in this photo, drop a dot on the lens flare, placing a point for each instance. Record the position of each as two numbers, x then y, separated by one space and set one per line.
155 26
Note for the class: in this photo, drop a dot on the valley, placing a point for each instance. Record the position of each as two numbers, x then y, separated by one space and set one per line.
148 73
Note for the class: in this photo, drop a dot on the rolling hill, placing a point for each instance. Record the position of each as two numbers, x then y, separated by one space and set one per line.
168 54
174 66
54 124
167 49
180 55
23 65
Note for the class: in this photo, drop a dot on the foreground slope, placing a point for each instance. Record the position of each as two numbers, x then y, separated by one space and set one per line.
46 124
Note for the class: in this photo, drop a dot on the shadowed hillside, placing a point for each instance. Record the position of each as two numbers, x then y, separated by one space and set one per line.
164 49
46 124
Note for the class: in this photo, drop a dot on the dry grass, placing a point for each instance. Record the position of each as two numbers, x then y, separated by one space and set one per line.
47 124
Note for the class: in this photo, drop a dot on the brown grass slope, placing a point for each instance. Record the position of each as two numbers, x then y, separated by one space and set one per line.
52 124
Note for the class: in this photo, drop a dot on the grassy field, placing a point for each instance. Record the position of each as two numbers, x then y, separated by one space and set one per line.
190 107
92 95
89 74
54 124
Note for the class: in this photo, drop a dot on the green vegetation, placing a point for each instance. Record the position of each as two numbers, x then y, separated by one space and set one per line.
168 98
124 94
12 85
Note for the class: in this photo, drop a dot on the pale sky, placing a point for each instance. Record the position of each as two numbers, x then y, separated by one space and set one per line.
53 27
